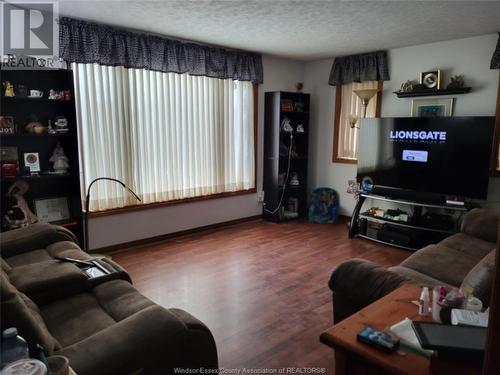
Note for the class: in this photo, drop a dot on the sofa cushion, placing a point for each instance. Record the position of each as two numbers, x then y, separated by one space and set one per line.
33 237
31 257
416 277
472 246
67 249
61 248
51 277
120 299
19 311
480 279
441 263
5 265
482 223
73 319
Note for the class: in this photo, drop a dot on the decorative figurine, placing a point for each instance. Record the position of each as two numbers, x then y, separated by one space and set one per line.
294 179
285 125
22 91
61 124
300 128
39 129
9 89
456 82
18 215
353 187
32 123
299 106
60 160
53 95
408 86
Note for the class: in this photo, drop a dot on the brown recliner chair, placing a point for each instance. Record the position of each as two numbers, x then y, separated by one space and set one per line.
104 326
463 260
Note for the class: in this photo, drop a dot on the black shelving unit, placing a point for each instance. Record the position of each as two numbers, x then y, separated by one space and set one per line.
284 201
46 184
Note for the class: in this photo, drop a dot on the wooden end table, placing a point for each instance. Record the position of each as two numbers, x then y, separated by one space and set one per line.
353 357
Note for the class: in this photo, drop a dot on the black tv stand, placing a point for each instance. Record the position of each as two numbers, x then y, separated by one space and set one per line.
412 234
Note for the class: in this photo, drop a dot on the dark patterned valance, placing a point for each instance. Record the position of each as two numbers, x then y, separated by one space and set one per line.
495 60
371 66
86 42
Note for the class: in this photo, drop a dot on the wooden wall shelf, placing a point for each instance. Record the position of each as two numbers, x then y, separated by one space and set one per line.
412 94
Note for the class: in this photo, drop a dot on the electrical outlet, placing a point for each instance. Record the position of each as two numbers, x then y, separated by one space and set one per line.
260 196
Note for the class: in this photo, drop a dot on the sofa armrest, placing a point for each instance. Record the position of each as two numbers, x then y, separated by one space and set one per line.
33 237
357 283
153 339
482 223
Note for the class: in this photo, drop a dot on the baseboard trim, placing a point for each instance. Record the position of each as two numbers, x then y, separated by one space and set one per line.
148 241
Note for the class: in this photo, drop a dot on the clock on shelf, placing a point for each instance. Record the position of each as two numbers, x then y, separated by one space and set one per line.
431 80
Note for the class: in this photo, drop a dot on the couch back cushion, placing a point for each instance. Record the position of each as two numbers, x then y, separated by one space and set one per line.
5 265
19 311
480 278
482 223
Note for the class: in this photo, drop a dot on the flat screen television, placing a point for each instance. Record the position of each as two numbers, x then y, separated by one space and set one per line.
446 156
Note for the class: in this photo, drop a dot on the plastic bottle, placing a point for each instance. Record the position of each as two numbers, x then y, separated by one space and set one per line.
14 347
423 302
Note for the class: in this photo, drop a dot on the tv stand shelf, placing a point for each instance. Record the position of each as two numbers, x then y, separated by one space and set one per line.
412 203
403 224
410 235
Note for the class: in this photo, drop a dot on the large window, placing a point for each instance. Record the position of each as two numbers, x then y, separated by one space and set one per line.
168 136
348 109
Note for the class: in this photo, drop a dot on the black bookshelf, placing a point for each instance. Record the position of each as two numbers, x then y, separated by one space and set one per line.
45 185
279 106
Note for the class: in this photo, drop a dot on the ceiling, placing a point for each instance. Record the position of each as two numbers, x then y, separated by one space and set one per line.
299 29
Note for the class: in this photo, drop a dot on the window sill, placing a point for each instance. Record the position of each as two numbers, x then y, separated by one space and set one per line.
344 161
139 207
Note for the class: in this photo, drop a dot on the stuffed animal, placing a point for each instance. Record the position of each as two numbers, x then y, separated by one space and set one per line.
18 214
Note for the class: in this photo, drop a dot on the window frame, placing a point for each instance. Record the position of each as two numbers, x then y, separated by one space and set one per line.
138 207
336 121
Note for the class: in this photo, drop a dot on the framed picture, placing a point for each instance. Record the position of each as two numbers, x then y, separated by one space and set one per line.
286 105
8 154
7 125
32 161
432 107
431 80
52 209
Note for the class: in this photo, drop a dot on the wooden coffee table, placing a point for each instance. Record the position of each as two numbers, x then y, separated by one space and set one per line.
353 357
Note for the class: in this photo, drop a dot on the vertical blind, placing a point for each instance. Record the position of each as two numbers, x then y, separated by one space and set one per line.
351 105
166 135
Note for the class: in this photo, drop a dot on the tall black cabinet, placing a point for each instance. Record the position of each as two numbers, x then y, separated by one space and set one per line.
51 195
286 129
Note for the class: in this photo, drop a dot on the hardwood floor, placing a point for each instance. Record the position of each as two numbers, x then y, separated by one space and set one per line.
260 287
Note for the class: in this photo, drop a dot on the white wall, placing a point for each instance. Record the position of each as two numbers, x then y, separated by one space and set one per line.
470 57
279 75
